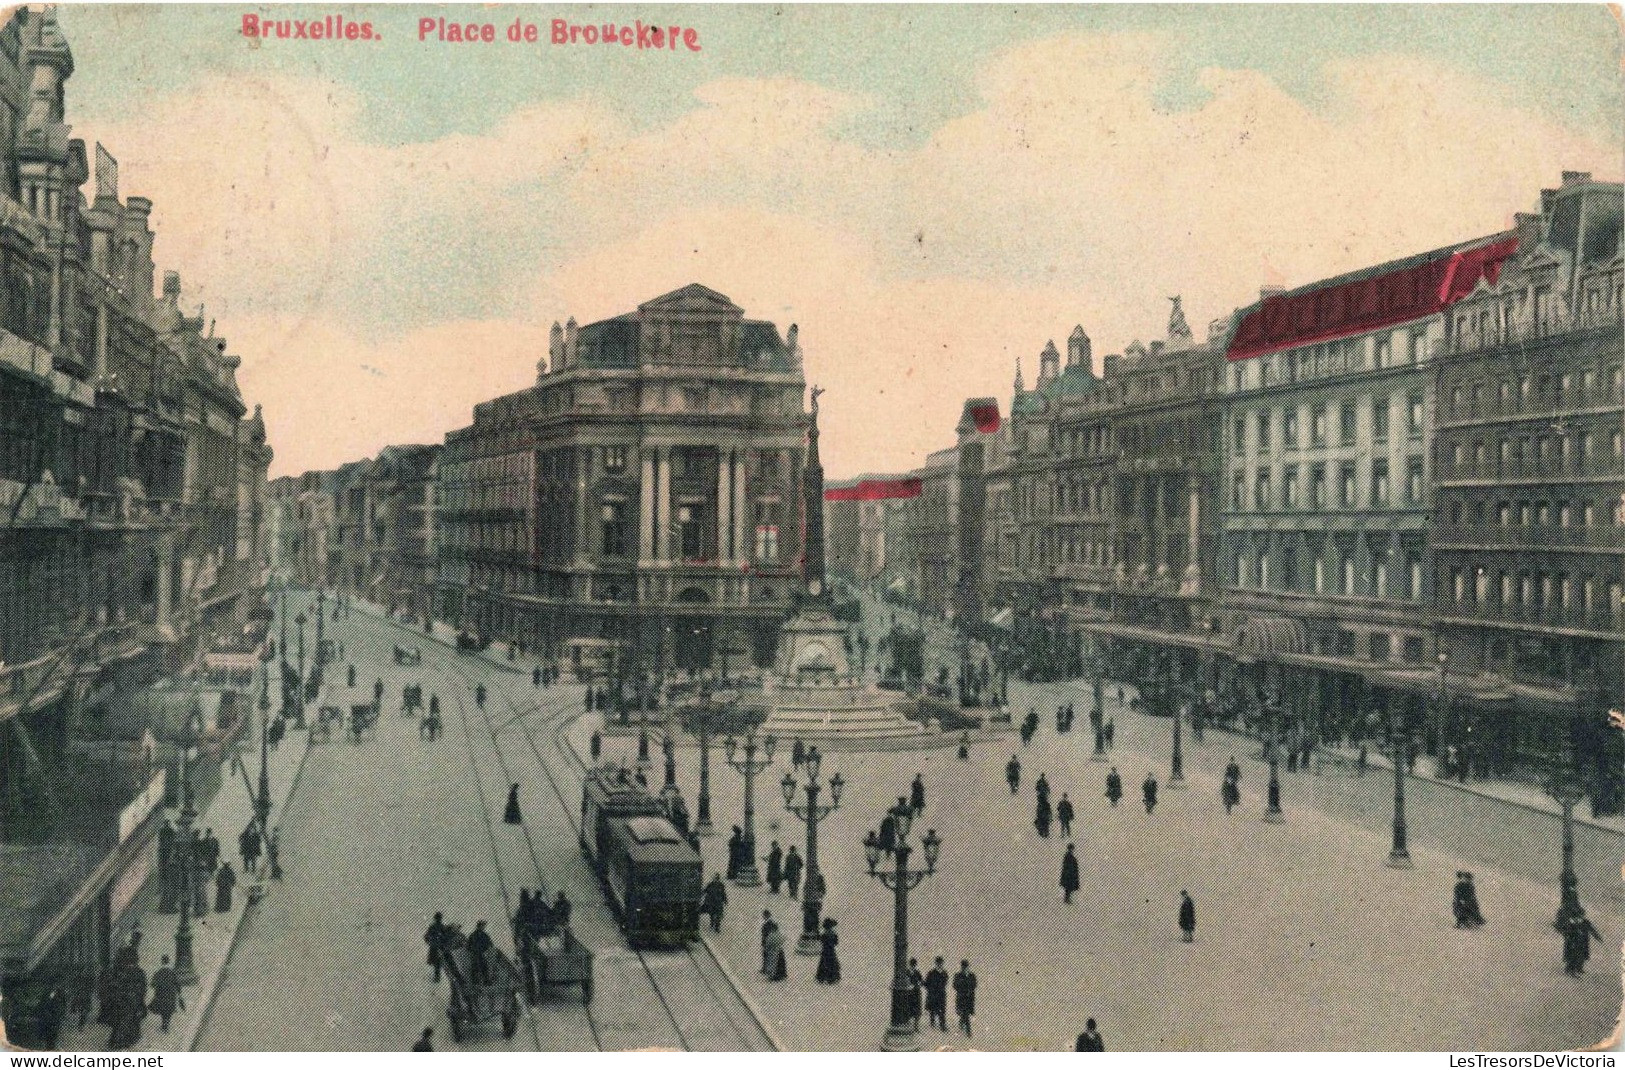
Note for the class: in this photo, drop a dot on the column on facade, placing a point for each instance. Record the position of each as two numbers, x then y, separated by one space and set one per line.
646 508
163 552
1193 541
663 507
737 485
582 527
101 340
724 504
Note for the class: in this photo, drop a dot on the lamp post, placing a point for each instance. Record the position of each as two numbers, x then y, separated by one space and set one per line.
185 971
812 900
749 766
300 621
1399 855
1442 710
901 1034
1566 787
670 753
282 615
702 725
321 600
1272 712
1176 709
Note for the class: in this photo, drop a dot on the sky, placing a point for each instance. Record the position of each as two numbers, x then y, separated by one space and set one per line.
384 230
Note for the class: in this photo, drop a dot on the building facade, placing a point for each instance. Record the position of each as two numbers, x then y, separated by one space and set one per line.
644 490
131 490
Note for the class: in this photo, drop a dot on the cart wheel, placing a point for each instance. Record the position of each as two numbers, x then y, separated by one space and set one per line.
456 1026
510 1022
586 990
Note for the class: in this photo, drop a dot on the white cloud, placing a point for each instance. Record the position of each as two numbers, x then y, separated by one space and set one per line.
916 274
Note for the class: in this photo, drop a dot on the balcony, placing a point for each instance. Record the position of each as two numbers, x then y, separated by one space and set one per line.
1605 623
1530 330
1596 537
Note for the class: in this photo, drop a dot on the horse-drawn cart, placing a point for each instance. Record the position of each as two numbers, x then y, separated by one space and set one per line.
404 656
493 994
562 960
326 718
363 720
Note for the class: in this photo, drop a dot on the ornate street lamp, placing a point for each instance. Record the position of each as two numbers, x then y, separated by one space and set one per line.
185 971
1566 786
262 801
282 615
702 726
300 621
321 600
1399 731
1272 713
1176 709
901 1035
812 900
749 766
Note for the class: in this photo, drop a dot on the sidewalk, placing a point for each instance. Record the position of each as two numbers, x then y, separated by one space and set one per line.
496 653
213 935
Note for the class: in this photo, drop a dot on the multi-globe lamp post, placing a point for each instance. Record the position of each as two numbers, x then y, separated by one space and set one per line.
748 765
901 1034
811 812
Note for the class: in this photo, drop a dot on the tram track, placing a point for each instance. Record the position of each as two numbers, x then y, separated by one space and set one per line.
714 996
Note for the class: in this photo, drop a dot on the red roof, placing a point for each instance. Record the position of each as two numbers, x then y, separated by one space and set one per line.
869 490
1394 293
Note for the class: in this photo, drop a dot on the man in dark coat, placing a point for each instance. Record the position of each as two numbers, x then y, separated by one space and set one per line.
248 846
562 908
736 844
1187 917
1064 814
166 856
479 944
1578 932
349 675
1012 774
1464 903
1149 790
888 833
378 691
775 867
792 872
1041 786
166 994
1089 1039
536 676
597 745
224 881
936 996
510 813
1114 786
426 1041
714 900
965 995
916 983
1041 818
916 795
1069 873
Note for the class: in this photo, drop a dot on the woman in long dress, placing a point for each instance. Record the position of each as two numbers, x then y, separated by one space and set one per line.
224 881
773 954
511 814
829 967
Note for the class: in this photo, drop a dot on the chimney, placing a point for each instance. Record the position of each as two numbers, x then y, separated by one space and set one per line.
1269 291
1547 196
1156 348
555 350
1529 228
570 341
793 339
1575 178
1049 364
172 289
1112 360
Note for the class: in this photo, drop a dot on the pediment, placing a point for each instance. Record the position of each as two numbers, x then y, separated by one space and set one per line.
691 299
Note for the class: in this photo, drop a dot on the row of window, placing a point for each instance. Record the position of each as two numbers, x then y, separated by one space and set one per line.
1339 572
1538 591
1541 514
1263 424
1561 447
1518 393
1330 358
1293 495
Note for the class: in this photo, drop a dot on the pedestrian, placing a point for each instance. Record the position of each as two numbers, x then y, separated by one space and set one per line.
378 691
129 1004
479 946
479 695
1187 917
1149 790
588 699
1069 873
48 1015
435 937
965 995
769 926
1064 813
166 994
349 675
510 813
888 833
1232 771
1231 794
201 879
1111 733
166 856
916 981
714 900
426 1041
792 872
1464 902
1041 818
80 996
1042 787
798 753
829 966
1089 1039
1114 786
1578 932
936 996
1360 765
1012 774
736 850
225 879
773 954
536 677
775 867
273 849
248 846
562 908
916 795
964 746
597 745
211 850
